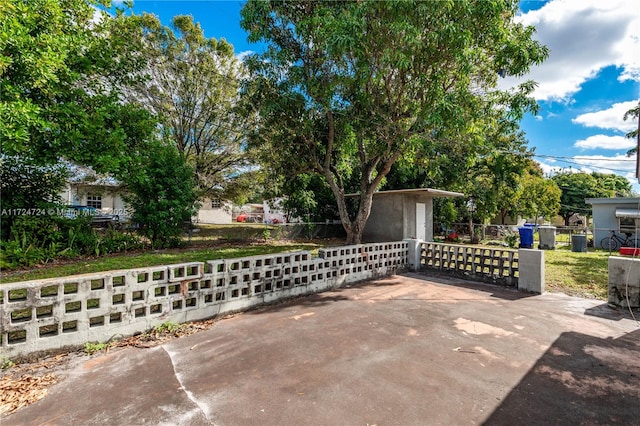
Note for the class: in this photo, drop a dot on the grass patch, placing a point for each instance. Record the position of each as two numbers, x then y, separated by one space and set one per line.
577 274
91 348
145 259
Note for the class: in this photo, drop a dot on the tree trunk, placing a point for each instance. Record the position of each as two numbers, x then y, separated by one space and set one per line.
354 228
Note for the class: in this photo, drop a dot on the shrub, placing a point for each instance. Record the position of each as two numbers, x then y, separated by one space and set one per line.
116 242
39 239
162 195
511 238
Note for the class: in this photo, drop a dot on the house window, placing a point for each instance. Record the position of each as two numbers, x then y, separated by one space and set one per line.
216 203
628 225
94 201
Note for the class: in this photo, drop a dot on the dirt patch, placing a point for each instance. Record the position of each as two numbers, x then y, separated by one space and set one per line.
27 383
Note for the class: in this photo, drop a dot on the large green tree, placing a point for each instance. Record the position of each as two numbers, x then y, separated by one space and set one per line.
633 113
192 83
576 187
534 195
614 185
61 62
347 88
65 66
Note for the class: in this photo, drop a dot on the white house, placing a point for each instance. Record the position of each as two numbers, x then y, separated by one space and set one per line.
215 211
103 196
618 214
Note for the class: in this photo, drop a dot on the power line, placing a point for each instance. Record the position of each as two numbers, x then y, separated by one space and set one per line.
556 157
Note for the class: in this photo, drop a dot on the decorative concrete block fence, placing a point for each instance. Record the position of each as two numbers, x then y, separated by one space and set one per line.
496 265
624 282
53 313
523 268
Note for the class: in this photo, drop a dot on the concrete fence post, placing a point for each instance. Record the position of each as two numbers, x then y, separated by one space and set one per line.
624 282
531 267
413 246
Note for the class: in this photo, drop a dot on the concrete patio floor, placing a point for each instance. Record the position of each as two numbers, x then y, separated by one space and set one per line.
405 350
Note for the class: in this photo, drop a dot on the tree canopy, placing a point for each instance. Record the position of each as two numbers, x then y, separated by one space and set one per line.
576 187
535 196
192 84
64 69
347 88
61 63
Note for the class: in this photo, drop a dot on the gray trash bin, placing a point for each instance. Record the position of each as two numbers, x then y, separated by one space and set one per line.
547 236
579 243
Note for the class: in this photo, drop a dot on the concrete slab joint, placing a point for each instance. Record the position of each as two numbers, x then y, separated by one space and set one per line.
48 314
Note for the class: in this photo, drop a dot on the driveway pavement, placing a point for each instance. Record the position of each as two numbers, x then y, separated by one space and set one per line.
404 350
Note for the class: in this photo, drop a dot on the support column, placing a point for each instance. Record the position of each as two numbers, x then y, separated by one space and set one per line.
531 268
414 245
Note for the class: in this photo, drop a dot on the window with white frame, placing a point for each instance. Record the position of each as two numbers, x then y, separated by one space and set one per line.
94 201
216 203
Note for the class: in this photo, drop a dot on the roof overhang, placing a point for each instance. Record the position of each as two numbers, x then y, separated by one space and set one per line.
419 191
632 213
615 200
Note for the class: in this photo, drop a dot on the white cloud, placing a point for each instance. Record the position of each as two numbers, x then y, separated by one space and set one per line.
620 164
539 117
611 118
244 54
548 169
583 38
605 142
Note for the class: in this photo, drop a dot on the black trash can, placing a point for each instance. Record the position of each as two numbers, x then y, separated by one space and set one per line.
579 243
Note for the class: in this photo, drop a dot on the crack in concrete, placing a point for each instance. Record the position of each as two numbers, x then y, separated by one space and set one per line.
189 394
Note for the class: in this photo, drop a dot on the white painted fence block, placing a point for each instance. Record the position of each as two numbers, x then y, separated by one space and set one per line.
49 314
532 277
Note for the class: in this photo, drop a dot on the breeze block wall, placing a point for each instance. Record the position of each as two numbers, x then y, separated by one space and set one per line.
493 265
50 314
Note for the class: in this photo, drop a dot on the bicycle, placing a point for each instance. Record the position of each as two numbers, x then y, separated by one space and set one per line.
615 241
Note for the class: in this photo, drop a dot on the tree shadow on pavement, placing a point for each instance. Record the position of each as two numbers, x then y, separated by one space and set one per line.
580 379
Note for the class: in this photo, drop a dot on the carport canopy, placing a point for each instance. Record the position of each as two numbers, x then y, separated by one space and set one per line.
630 213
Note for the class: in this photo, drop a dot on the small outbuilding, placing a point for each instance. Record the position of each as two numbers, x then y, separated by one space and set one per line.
402 213
214 211
620 214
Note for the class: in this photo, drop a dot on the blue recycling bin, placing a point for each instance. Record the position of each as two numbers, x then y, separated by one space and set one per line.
526 236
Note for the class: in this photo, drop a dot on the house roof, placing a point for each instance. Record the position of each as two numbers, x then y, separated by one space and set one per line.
614 200
423 191
83 175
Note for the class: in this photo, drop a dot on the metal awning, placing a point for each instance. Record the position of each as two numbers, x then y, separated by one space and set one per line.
632 213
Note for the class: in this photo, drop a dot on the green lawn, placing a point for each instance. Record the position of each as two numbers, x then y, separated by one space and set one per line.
152 258
577 274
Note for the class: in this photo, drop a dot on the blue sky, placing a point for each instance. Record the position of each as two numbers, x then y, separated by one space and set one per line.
591 78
